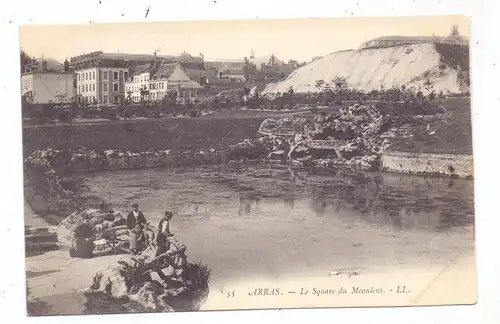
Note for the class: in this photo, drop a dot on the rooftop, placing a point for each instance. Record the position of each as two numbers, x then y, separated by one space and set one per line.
136 57
47 72
164 71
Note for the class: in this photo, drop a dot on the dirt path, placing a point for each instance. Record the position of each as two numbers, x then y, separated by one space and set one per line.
33 220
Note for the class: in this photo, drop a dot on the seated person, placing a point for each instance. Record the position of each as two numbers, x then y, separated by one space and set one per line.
119 220
135 224
83 238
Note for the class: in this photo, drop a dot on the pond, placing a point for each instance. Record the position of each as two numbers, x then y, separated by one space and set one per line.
269 221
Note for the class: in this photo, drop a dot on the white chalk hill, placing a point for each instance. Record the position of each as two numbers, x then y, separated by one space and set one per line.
371 69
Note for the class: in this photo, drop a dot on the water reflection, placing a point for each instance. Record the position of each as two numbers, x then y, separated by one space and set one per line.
401 202
231 217
395 201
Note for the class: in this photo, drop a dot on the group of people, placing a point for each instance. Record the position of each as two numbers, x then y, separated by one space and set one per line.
84 234
136 223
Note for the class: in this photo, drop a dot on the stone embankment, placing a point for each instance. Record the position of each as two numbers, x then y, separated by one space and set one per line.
430 164
50 188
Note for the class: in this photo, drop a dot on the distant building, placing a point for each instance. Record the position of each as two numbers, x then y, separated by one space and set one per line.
388 41
153 82
48 86
270 60
40 64
202 76
101 76
233 71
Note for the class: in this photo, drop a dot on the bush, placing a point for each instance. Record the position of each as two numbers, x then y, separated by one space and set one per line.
96 282
197 275
134 274
64 116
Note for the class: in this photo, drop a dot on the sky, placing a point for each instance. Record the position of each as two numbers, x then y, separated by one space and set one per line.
299 39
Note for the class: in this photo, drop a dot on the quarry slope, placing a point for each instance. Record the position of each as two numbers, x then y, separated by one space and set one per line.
371 69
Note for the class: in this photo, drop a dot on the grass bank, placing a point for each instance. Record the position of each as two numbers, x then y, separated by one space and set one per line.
452 135
190 133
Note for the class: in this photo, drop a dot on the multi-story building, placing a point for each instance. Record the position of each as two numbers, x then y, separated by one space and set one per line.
101 76
48 86
103 85
153 82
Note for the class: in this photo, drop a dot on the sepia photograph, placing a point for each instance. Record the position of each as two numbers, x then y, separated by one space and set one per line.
247 164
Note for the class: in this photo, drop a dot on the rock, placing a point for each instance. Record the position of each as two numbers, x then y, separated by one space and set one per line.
150 295
112 282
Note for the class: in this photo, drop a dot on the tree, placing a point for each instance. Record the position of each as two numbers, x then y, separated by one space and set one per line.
320 84
24 59
428 85
340 83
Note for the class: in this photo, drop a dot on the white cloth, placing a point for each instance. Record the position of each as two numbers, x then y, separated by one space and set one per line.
165 227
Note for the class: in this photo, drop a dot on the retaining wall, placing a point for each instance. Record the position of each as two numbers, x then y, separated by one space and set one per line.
433 164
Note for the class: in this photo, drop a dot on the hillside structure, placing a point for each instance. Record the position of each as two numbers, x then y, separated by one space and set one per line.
387 41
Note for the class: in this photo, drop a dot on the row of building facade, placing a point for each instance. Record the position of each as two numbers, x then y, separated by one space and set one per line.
111 78
105 78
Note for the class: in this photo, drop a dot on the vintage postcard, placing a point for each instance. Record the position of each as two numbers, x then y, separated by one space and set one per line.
226 165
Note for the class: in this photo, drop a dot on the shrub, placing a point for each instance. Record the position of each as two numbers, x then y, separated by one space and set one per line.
96 282
134 273
197 276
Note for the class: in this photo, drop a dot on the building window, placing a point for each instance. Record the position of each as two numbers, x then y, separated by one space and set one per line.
86 88
105 87
115 75
115 99
115 87
78 76
105 75
93 75
93 87
105 99
125 74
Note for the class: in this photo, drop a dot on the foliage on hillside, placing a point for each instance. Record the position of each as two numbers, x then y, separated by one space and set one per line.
456 57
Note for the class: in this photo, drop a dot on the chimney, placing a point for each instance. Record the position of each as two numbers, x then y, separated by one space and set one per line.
155 59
